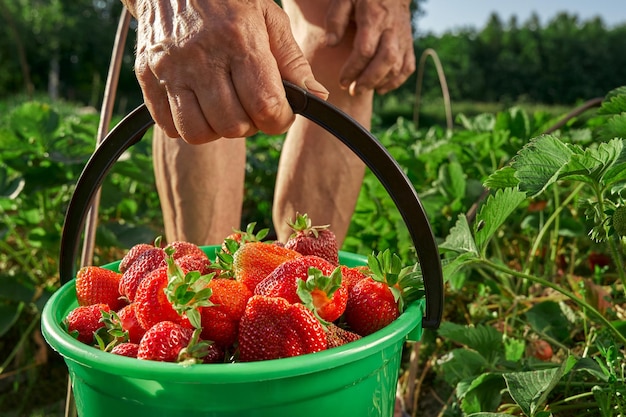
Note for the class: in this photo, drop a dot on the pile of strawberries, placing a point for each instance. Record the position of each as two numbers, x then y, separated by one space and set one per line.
256 300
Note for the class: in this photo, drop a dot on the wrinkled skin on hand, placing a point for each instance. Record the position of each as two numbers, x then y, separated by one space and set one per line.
212 69
382 55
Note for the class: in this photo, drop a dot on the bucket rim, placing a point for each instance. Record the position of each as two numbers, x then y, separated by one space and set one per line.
87 356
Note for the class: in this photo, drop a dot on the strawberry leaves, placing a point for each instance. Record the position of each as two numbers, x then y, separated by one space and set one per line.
403 282
187 291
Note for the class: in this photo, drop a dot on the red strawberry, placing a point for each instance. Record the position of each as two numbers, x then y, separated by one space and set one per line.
272 328
195 263
220 321
145 263
182 248
126 349
151 303
352 275
164 341
129 323
254 261
313 240
376 301
540 349
95 285
214 354
338 336
283 280
83 321
132 255
371 306
324 295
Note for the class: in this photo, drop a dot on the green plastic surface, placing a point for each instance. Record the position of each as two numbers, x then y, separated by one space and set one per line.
356 380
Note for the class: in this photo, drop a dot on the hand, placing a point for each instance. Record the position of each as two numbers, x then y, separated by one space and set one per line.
382 57
214 69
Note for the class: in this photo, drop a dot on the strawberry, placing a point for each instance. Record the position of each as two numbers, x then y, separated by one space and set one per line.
351 275
195 263
324 295
83 321
95 285
313 240
371 306
283 280
132 255
167 341
378 300
540 349
129 323
220 321
151 303
272 328
182 248
145 263
164 341
128 349
338 336
254 261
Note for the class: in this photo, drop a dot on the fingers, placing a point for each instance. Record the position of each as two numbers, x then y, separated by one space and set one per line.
291 63
337 20
382 55
221 78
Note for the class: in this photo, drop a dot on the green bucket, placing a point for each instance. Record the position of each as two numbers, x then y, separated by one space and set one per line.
358 379
355 380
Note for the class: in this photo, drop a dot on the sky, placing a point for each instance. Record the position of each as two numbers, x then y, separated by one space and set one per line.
444 15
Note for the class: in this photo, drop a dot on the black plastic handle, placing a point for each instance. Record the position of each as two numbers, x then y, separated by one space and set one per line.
132 128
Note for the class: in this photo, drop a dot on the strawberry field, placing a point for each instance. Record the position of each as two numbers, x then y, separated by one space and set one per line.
529 218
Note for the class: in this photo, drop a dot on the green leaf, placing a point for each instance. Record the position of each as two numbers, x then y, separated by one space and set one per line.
482 414
481 393
548 318
494 212
502 178
460 238
538 163
531 388
594 163
9 313
614 102
452 180
485 340
615 127
451 268
514 349
462 364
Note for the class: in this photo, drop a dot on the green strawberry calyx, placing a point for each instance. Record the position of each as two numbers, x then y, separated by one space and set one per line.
405 283
317 283
112 334
195 351
302 224
224 257
187 291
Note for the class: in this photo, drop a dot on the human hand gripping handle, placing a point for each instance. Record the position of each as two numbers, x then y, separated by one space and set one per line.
210 69
383 55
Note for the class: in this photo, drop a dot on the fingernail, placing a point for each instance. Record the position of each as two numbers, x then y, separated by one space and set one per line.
316 88
352 90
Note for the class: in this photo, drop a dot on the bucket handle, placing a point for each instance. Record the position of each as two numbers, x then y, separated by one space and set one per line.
132 128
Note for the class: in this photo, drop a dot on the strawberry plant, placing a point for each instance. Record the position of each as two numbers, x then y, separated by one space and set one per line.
544 291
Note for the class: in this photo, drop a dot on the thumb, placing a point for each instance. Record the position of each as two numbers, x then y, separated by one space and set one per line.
292 64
